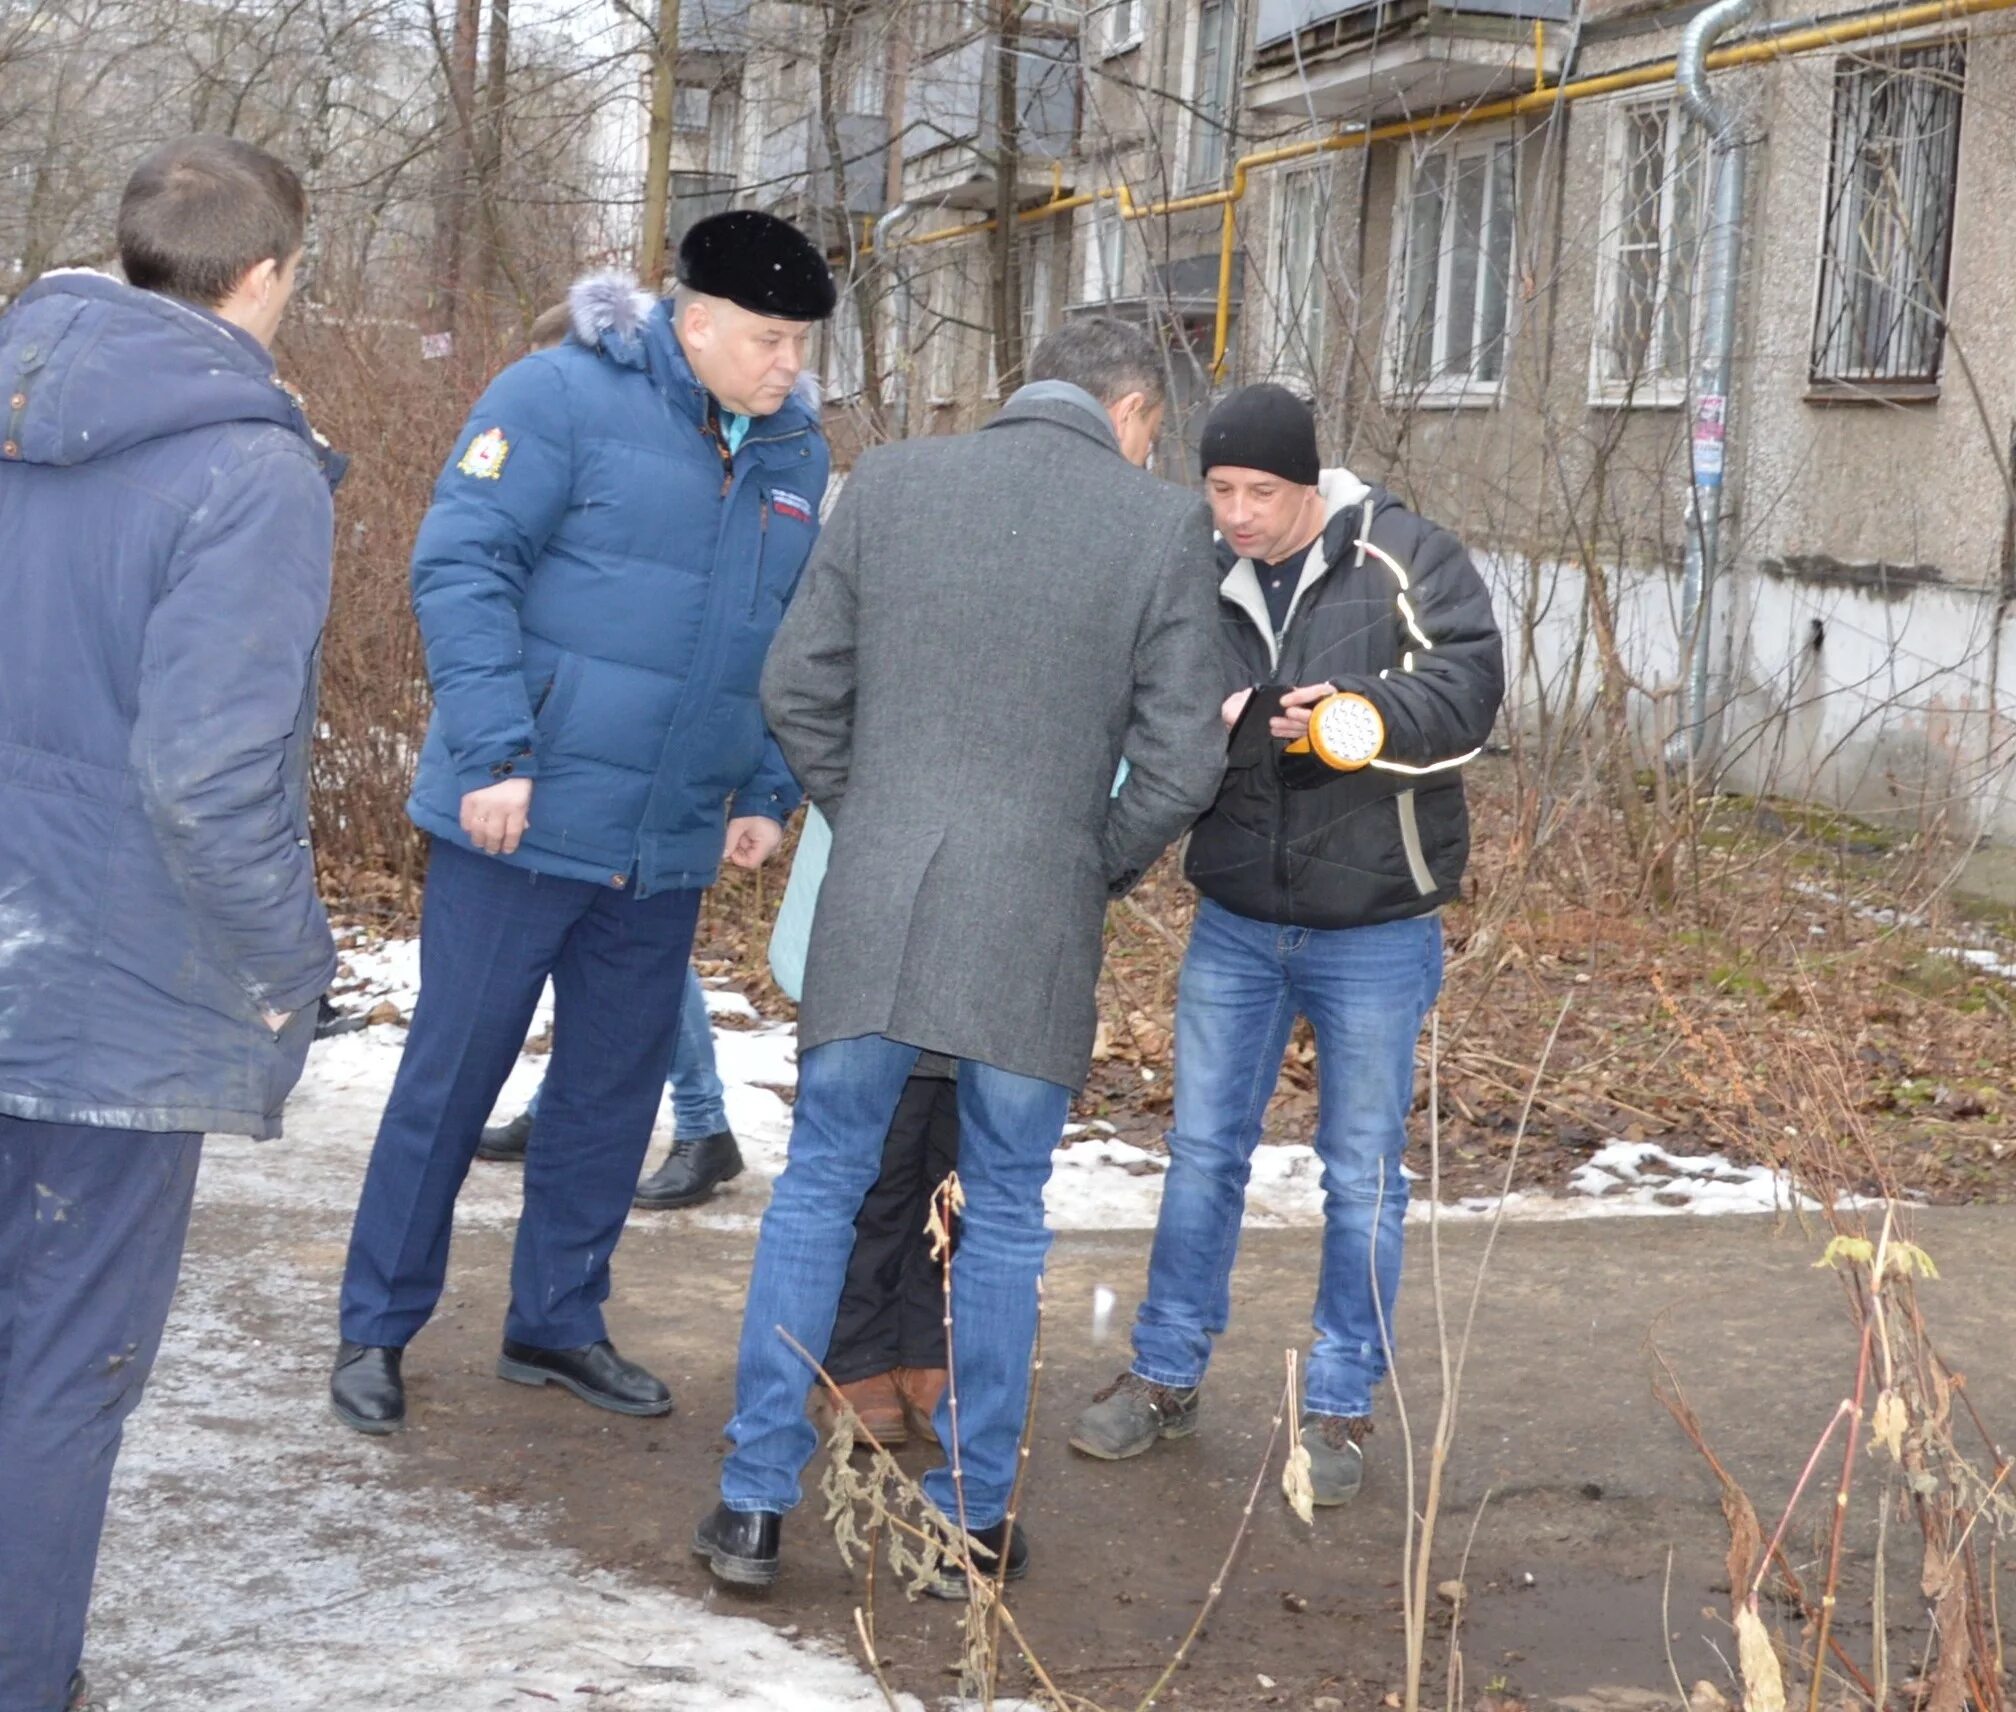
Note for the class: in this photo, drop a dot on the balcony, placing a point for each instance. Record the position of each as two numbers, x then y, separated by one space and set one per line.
695 195
951 138
1365 60
713 30
795 170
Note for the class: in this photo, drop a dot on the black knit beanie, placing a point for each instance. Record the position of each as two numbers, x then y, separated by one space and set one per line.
1263 427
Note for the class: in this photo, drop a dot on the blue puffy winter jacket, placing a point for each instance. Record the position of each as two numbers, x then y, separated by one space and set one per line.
597 583
164 574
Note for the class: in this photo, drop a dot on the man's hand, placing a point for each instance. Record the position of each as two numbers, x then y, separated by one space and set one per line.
1292 722
1235 705
496 816
752 840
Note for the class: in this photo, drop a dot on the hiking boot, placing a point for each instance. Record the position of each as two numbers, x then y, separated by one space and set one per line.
505 1144
877 1406
1335 1444
986 1553
920 1388
1128 1417
692 1171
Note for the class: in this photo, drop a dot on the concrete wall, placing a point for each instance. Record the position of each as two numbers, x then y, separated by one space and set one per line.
1865 654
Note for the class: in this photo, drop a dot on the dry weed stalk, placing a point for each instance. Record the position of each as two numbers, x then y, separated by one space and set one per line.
922 1542
1416 1554
1920 1413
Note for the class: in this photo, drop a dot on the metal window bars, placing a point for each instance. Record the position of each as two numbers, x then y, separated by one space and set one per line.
1891 181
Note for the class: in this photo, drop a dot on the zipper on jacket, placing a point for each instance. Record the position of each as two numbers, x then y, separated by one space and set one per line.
713 432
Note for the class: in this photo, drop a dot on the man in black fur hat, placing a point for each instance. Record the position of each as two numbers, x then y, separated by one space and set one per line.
611 545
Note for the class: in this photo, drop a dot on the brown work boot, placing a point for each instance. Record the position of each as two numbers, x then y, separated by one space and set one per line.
877 1405
920 1388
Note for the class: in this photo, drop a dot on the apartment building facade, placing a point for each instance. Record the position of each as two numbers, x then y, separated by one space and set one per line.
1495 311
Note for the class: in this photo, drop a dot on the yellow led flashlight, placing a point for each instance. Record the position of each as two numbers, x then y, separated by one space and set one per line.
1345 730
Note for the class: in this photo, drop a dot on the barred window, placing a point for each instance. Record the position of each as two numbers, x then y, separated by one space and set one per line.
1890 185
1297 284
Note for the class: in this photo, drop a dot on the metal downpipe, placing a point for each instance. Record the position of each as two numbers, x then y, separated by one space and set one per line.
1721 262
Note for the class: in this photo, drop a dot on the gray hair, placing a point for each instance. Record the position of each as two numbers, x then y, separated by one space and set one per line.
1108 357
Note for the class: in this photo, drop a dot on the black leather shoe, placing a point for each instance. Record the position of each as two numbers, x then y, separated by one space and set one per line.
595 1373
506 1143
365 1390
692 1171
330 1022
740 1546
951 1582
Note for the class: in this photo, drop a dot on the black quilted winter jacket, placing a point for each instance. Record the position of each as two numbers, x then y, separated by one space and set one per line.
1394 610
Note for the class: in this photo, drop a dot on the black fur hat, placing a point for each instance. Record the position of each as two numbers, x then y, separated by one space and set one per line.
758 262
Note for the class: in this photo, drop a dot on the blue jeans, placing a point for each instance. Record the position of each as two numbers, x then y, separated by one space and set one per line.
697 1108
1009 1126
490 935
1366 992
92 1223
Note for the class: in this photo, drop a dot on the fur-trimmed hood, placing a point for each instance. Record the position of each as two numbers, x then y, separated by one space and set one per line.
611 313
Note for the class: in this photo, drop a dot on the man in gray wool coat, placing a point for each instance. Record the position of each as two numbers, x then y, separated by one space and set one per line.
989 625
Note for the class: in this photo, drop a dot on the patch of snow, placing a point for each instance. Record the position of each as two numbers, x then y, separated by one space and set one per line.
1099 1182
300 1581
1642 1177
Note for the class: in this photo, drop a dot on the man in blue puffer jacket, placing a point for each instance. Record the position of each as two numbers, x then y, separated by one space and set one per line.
610 548
165 532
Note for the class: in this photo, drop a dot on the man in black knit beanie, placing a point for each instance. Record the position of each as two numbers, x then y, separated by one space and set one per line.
1337 837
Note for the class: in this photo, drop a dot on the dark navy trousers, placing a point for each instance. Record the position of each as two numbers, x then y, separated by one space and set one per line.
490 935
92 1223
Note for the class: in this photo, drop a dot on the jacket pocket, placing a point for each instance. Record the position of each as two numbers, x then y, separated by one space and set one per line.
549 706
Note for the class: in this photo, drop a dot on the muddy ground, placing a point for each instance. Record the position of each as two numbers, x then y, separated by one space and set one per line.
1585 1483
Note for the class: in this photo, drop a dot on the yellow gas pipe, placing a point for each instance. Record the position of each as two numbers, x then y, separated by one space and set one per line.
1807 39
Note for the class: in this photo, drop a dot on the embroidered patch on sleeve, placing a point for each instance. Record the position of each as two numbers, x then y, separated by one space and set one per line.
792 505
486 454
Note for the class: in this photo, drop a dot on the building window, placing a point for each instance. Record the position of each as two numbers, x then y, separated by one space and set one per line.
691 108
1889 235
1105 253
1296 288
724 127
845 368
1119 26
943 341
1039 307
1454 286
1211 71
1650 246
1039 291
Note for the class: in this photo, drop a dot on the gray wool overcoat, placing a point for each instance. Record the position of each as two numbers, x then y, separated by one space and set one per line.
988 625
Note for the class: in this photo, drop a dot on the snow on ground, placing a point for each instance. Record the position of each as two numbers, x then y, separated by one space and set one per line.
339 1593
1098 1182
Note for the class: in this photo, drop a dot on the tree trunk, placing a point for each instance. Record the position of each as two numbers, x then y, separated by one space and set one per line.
875 284
498 271
658 148
1007 247
451 202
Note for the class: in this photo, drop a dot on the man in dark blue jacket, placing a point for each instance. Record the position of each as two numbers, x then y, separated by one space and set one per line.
610 548
165 510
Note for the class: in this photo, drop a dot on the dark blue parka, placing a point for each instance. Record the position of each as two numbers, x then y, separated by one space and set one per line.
597 583
165 529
